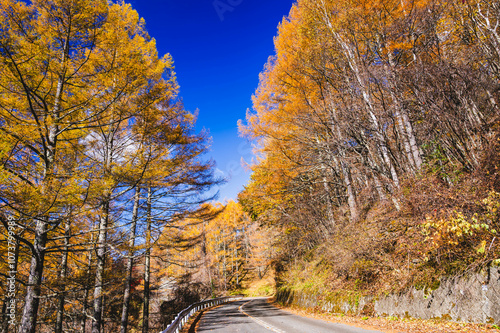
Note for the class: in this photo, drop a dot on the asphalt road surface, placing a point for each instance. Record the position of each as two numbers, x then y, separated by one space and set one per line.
256 315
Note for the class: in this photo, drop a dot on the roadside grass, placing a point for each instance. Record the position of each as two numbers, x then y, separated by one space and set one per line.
260 287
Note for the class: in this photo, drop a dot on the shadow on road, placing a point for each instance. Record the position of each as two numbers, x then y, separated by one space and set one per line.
229 315
261 308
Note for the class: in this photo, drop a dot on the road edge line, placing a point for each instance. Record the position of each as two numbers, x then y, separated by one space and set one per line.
258 321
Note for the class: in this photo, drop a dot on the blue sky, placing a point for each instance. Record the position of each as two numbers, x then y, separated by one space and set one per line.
219 48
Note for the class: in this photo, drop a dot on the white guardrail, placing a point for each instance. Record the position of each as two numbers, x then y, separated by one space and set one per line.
185 314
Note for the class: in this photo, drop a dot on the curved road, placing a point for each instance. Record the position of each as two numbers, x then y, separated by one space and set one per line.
256 315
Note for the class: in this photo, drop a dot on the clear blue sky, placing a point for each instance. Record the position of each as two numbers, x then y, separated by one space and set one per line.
219 48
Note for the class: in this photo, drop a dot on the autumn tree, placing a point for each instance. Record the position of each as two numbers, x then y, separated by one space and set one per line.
88 111
49 83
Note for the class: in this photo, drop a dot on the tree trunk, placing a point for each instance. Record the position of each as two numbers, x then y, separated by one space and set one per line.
224 264
404 137
147 266
413 141
50 139
351 196
62 276
326 188
404 124
236 260
130 262
379 187
100 265
34 287
33 290
87 291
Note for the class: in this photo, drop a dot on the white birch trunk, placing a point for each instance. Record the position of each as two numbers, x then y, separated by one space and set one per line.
130 262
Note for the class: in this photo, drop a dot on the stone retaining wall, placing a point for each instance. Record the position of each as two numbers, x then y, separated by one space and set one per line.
351 304
475 298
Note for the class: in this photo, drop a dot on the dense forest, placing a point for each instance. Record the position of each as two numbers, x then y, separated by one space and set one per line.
376 129
377 133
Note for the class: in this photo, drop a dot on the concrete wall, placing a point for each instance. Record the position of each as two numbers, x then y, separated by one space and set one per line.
474 298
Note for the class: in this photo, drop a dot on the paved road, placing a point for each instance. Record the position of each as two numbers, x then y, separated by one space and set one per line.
258 316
